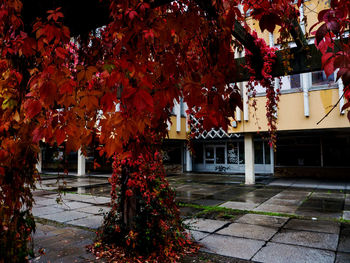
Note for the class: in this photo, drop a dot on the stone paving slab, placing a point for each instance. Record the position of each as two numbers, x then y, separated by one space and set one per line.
317 213
77 197
262 220
231 246
94 209
344 239
72 205
276 208
47 201
277 253
308 239
65 246
45 210
99 200
249 231
208 202
197 235
92 221
239 205
65 216
205 225
283 202
314 225
342 257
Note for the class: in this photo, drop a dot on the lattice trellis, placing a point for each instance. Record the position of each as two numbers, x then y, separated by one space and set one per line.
212 134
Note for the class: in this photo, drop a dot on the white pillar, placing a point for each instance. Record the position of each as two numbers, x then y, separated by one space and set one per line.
187 117
302 22
341 92
306 79
272 155
39 165
177 110
188 160
245 102
81 163
249 158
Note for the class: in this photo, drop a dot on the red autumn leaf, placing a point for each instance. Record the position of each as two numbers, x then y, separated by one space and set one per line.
38 134
132 14
143 100
54 14
48 92
61 52
321 32
345 106
28 47
269 22
60 136
32 108
327 63
107 101
67 87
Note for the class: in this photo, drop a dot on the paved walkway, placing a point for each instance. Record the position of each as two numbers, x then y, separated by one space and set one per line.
62 244
318 237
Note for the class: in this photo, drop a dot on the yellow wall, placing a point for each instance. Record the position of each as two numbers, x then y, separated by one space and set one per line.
173 134
291 113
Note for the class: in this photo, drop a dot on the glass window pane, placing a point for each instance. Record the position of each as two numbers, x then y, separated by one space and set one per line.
241 152
267 153
232 153
319 78
295 81
220 155
198 153
209 152
258 152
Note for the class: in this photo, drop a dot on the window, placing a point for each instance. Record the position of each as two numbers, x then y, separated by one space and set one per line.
259 152
232 153
319 78
295 81
262 152
220 155
198 153
267 148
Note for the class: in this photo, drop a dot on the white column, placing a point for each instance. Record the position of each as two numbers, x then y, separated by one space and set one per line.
306 79
272 155
302 22
177 111
81 163
249 158
238 114
39 165
245 102
187 117
188 160
340 92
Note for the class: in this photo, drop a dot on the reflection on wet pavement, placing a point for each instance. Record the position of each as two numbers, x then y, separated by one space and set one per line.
303 197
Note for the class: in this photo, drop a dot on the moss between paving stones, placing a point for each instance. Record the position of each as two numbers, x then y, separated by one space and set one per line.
217 212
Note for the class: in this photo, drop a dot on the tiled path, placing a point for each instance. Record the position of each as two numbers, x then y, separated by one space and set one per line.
262 238
62 244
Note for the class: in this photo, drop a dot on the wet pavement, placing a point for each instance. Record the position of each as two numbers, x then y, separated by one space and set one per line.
285 220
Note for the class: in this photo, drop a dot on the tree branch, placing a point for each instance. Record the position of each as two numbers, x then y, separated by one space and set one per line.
335 105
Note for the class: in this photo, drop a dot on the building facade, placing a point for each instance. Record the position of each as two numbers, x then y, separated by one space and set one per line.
304 147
